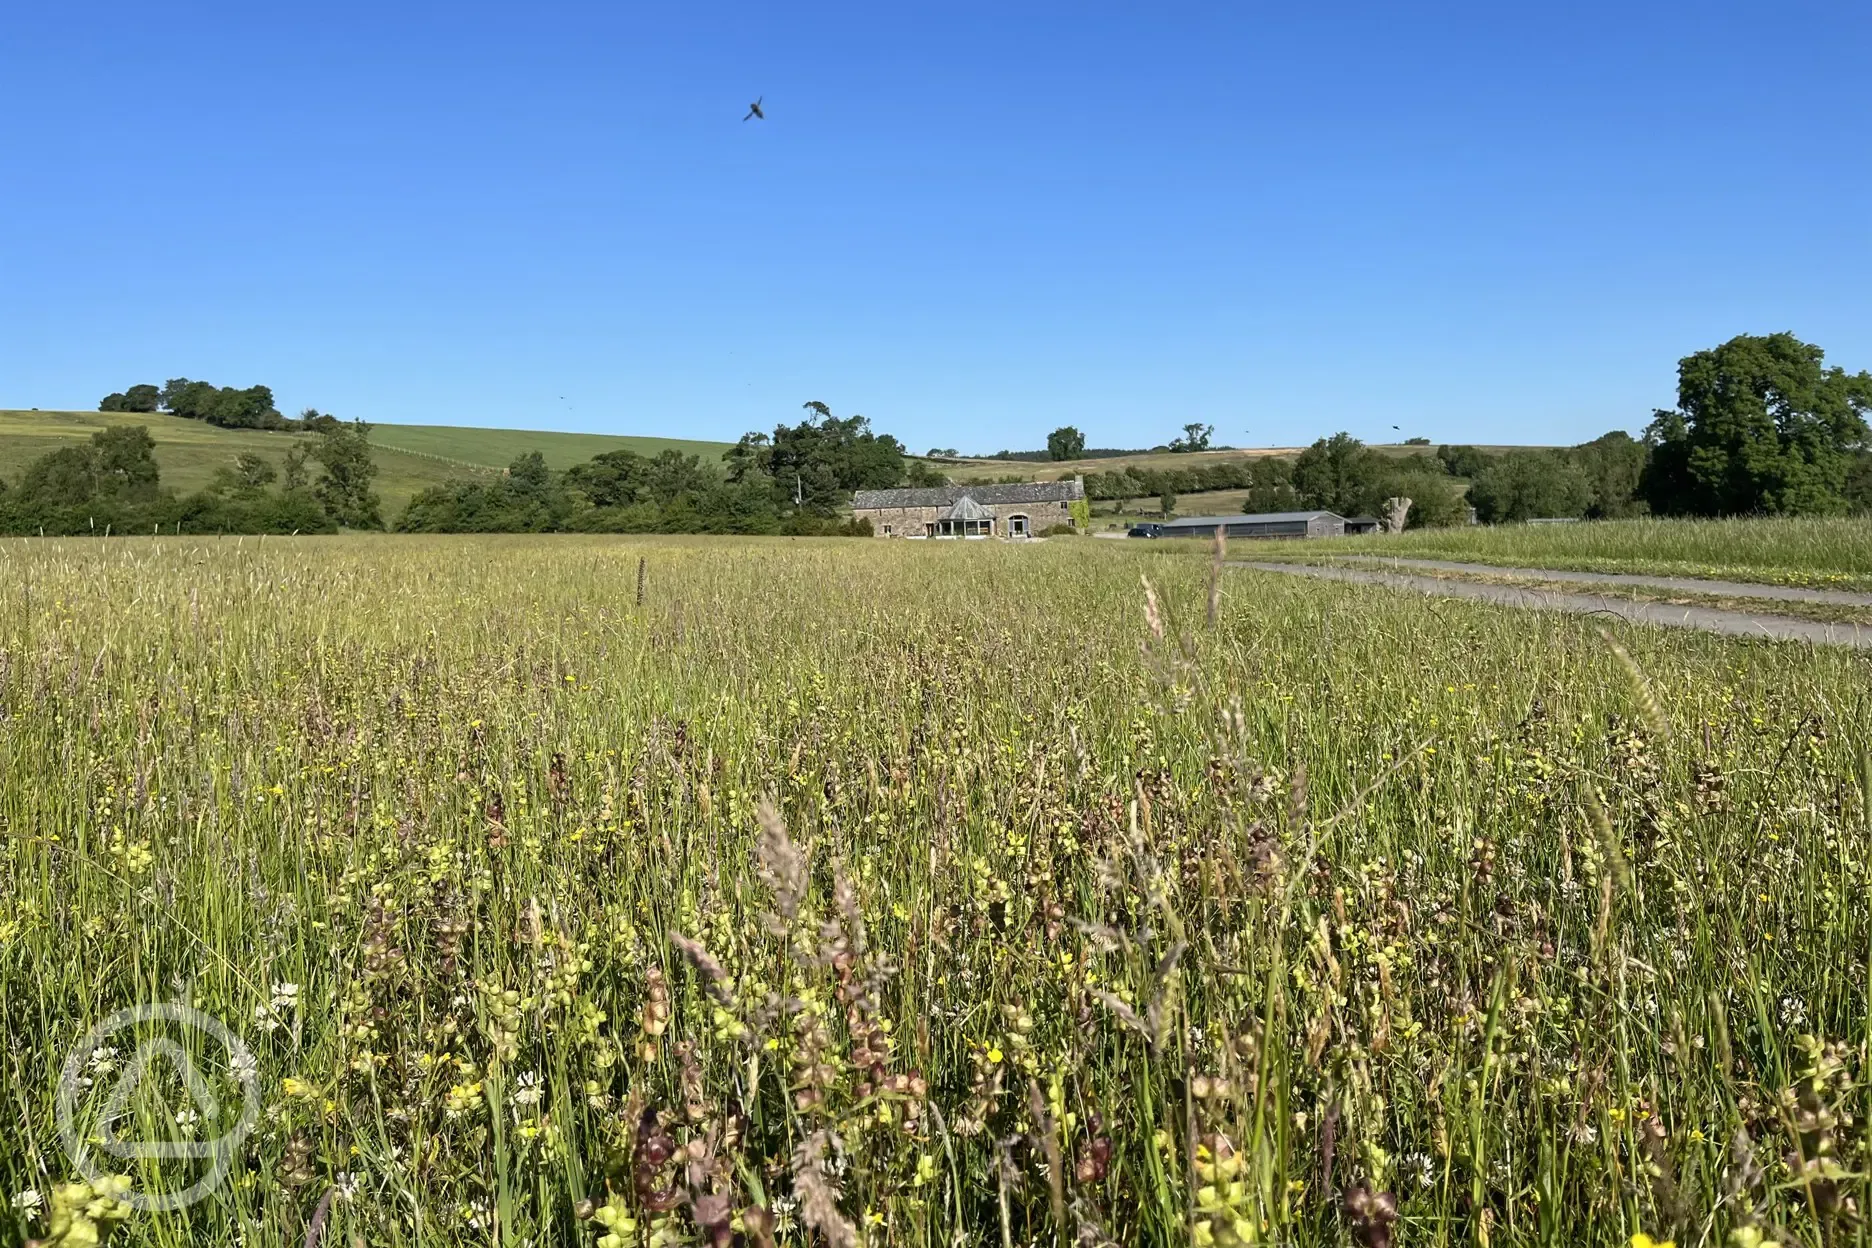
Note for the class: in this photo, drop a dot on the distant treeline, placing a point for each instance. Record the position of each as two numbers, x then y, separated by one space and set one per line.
1338 474
1043 457
1067 442
1761 427
795 481
226 406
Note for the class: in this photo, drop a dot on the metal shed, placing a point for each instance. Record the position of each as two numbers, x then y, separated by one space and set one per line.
1269 524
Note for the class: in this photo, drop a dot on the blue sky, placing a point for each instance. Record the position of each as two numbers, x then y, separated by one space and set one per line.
970 221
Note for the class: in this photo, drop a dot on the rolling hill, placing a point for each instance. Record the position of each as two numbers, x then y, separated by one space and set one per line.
409 458
496 448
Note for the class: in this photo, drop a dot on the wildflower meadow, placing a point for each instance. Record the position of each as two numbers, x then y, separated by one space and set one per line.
583 891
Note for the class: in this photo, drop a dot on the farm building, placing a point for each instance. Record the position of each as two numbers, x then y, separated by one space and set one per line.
1269 524
976 511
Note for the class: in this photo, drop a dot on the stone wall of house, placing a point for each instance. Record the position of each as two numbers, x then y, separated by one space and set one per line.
907 521
903 521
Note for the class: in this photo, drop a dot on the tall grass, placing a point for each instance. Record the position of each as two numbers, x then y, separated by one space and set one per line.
1820 552
852 892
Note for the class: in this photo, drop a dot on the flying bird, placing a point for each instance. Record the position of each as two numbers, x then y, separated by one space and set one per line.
754 110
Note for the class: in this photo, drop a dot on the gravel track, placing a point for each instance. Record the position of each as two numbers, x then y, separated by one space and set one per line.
1686 584
1669 615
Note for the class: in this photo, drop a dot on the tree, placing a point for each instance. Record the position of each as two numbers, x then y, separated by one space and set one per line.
1463 461
815 465
345 488
1270 486
1614 464
251 408
1761 426
126 461
1195 438
67 476
1859 484
113 402
1524 485
249 477
1436 501
1342 475
295 474
1332 474
1166 503
192 400
254 472
118 464
1065 442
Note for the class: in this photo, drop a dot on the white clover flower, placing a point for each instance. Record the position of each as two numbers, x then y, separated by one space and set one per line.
527 1090
28 1201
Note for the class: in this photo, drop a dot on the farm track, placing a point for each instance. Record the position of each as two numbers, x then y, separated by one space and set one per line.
1685 584
1670 615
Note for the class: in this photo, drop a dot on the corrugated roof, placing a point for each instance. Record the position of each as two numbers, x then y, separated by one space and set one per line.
1267 517
994 495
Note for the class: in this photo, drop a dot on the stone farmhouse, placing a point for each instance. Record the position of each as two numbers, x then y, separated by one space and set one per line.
970 511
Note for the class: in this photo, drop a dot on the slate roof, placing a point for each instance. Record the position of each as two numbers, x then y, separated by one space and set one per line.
1267 517
993 495
966 508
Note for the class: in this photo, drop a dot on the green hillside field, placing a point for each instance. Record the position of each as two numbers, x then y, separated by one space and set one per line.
496 448
409 458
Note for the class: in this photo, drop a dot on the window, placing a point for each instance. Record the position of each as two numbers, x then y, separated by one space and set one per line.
887 530
1017 526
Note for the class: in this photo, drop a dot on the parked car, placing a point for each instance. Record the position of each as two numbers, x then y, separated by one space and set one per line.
1145 530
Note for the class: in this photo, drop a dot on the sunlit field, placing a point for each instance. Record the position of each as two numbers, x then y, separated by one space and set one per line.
582 891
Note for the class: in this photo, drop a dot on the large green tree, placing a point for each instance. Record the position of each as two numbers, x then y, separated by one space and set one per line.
1270 486
815 465
345 488
1065 442
1333 474
1761 426
1524 485
1614 464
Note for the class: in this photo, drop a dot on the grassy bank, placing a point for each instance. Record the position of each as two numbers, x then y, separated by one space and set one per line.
1825 553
